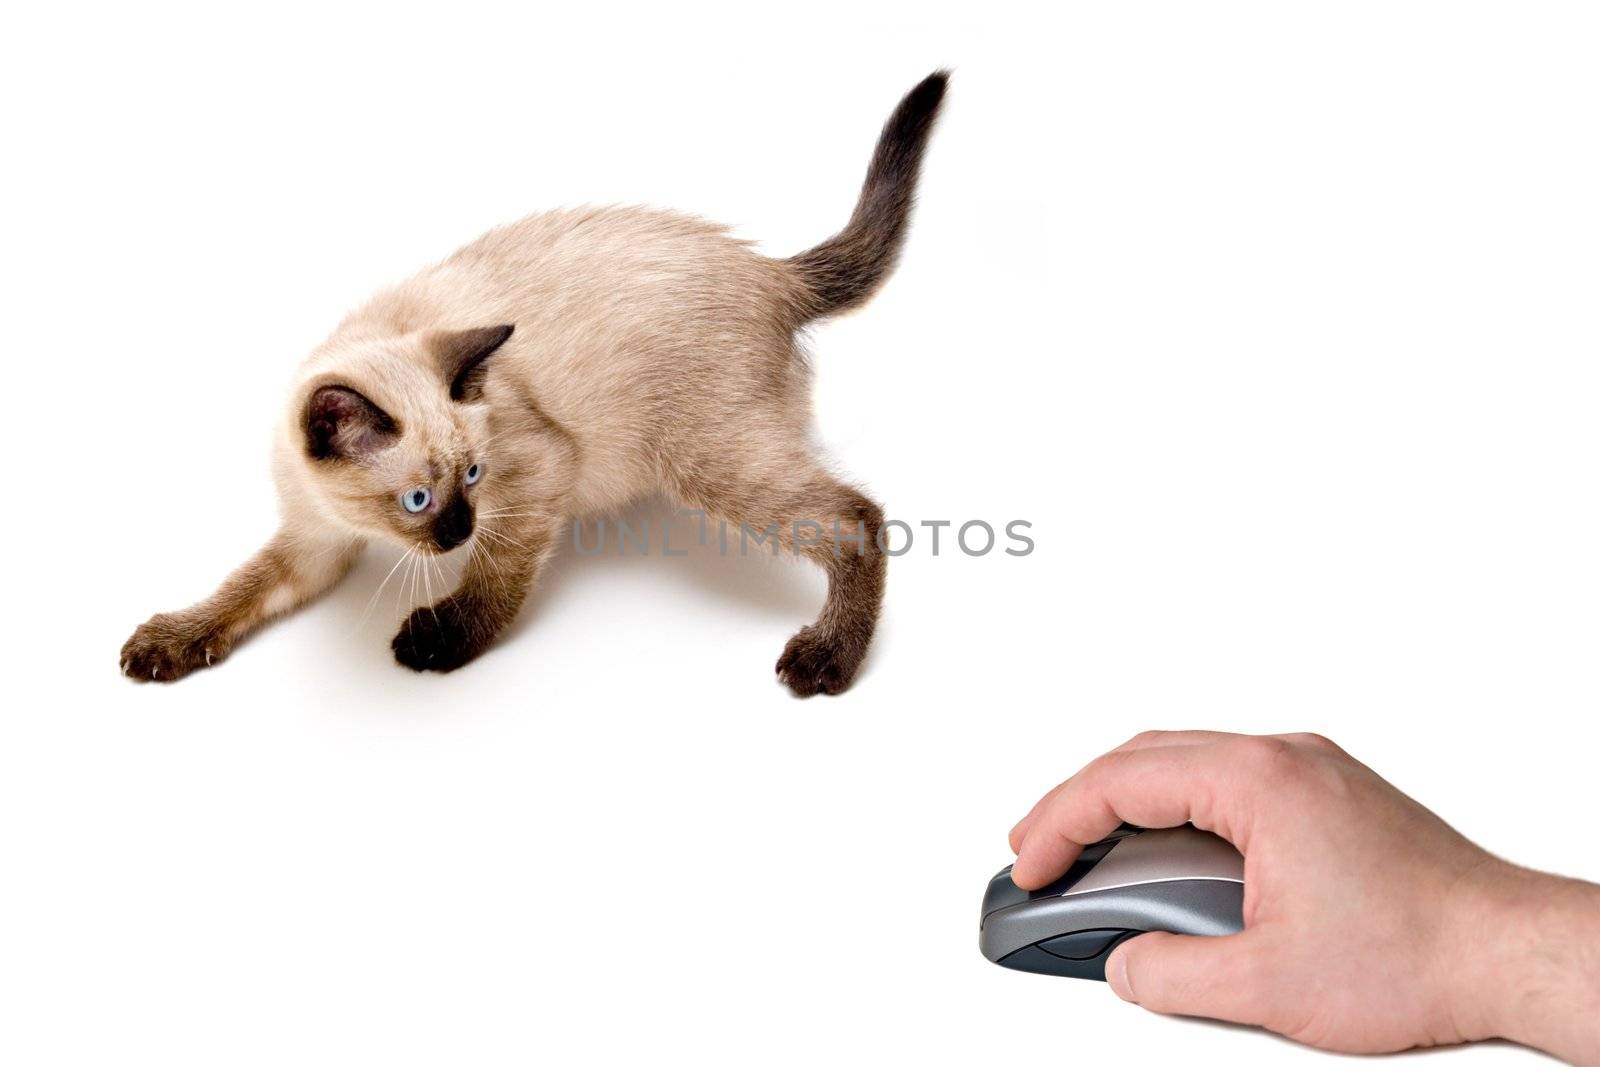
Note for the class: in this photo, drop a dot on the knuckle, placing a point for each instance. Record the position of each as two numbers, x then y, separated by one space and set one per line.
1311 740
1096 769
1266 756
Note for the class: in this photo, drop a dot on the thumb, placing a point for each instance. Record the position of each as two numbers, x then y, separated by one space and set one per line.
1175 974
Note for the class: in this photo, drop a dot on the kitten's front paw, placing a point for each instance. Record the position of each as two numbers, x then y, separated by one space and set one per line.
440 638
815 661
168 647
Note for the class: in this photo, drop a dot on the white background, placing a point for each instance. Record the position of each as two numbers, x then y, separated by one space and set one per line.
1277 322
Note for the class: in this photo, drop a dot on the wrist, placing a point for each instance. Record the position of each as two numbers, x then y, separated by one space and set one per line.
1530 944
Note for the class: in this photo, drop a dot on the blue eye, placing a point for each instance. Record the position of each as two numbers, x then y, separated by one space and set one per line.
474 472
415 500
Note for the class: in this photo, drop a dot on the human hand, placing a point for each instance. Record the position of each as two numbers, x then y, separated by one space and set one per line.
1370 925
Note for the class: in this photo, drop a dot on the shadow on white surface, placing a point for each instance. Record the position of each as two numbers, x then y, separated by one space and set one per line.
748 579
604 592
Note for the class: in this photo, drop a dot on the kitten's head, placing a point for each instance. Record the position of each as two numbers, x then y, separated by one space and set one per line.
392 432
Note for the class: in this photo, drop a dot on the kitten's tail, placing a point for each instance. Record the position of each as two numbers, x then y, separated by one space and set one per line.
846 269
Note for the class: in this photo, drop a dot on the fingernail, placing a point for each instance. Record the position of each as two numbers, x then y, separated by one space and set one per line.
1117 975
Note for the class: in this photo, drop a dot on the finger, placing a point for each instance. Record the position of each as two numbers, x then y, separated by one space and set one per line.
1206 784
1215 977
1147 739
1020 831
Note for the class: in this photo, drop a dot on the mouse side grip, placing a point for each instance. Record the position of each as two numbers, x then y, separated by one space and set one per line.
1210 907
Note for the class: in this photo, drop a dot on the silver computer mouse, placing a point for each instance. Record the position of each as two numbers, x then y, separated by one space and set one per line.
1183 880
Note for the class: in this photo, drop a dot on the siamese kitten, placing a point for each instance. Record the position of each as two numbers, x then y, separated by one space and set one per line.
557 368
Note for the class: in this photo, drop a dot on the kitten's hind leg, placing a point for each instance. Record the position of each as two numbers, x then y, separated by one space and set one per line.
836 527
505 554
285 574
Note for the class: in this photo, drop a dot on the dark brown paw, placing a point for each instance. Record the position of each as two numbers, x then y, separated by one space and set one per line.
815 662
168 647
440 638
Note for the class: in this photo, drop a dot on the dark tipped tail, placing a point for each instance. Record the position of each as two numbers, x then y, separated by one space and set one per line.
845 270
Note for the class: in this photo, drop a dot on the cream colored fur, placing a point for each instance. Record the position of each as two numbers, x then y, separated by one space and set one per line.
650 353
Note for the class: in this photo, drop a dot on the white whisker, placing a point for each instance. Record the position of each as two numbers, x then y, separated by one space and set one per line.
379 591
401 593
482 555
502 538
427 584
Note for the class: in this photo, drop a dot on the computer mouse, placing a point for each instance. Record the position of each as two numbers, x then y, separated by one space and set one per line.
1183 880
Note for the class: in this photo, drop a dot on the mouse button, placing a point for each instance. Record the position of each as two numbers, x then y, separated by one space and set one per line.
1087 860
1083 945
1177 854
1002 893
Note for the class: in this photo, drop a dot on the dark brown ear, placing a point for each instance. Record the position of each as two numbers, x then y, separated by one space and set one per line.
461 354
343 424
